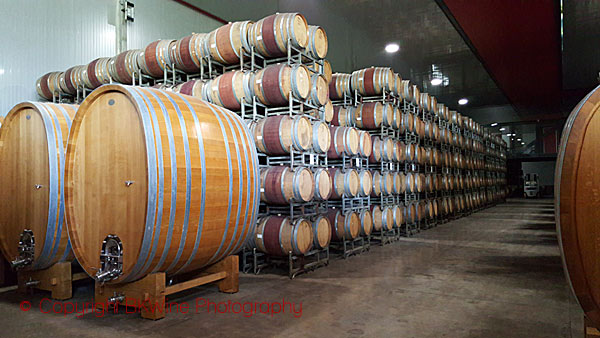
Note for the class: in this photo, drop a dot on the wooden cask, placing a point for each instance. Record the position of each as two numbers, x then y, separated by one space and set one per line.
387 218
155 58
321 232
576 204
324 113
98 73
398 151
369 115
279 236
274 84
124 68
323 184
74 78
344 226
271 35
47 85
387 183
344 183
398 216
425 102
372 81
410 213
387 149
33 142
411 183
365 144
399 180
377 216
397 89
277 135
416 95
321 137
340 86
317 42
187 53
375 156
327 71
282 185
343 116
365 183
406 92
397 122
344 141
409 122
231 89
227 43
366 222
197 88
409 152
319 90
175 197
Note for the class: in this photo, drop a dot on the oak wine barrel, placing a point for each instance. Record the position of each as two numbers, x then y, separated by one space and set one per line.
155 58
321 232
399 180
369 115
366 222
278 236
197 88
387 183
145 180
48 85
340 86
344 140
377 215
187 53
406 92
398 216
231 89
274 84
324 113
282 185
227 43
321 137
411 182
271 35
344 226
319 90
365 143
344 183
317 42
124 68
277 135
387 221
98 73
33 142
73 79
410 213
365 183
327 71
323 184
343 116
372 81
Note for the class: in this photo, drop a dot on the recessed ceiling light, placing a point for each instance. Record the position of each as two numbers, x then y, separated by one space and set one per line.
436 82
502 129
494 124
463 101
523 143
392 47
518 139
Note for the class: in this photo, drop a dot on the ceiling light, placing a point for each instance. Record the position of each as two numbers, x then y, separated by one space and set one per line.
463 101
392 48
1 71
436 82
519 139
494 124
502 129
523 143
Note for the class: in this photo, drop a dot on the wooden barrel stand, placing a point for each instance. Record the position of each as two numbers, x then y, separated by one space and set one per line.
148 294
57 279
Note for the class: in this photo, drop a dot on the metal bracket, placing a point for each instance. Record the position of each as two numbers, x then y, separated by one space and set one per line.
26 250
111 258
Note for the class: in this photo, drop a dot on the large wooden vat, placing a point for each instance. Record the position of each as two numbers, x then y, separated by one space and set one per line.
33 142
169 181
274 84
277 235
282 185
344 226
576 204
271 35
227 43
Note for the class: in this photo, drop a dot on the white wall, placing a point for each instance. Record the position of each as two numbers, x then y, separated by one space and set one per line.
39 36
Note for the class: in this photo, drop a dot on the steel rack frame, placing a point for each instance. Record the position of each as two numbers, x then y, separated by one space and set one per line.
384 237
349 247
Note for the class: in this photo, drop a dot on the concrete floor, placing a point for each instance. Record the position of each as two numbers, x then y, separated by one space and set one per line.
496 273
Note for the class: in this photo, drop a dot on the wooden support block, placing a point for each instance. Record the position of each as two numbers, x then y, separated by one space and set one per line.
148 294
589 331
57 279
230 265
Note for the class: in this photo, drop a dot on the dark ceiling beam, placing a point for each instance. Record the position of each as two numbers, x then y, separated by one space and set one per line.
518 43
